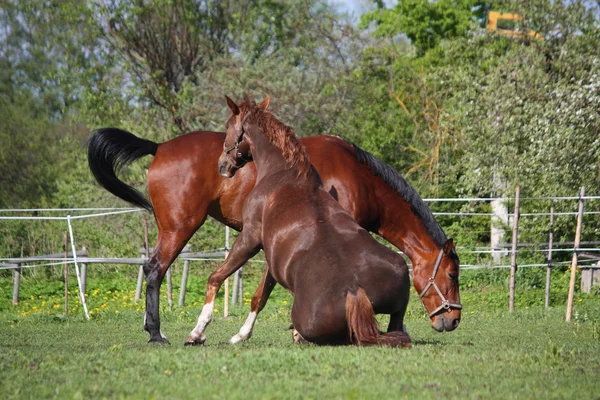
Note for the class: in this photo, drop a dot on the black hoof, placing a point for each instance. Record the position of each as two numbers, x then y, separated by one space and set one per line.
159 340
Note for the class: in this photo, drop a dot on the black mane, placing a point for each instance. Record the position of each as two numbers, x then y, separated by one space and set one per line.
403 188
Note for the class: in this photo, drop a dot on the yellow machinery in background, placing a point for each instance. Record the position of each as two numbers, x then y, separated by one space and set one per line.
508 24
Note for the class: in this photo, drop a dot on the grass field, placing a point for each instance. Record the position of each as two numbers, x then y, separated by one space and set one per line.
531 353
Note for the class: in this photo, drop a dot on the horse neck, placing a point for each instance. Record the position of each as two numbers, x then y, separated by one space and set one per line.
268 159
404 229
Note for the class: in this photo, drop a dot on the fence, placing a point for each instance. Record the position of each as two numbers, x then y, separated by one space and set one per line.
499 221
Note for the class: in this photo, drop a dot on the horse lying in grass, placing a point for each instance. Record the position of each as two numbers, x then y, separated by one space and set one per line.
339 275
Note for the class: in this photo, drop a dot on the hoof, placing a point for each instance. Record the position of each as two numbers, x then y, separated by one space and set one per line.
191 341
239 338
297 337
159 340
400 339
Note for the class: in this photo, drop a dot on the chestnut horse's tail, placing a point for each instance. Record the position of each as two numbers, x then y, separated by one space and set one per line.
362 325
110 149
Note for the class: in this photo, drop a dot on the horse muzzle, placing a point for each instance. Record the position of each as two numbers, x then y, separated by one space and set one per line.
447 321
226 168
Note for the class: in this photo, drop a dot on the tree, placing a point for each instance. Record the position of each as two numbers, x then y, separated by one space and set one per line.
170 45
424 22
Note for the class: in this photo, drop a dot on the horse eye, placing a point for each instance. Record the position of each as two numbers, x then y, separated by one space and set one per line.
453 275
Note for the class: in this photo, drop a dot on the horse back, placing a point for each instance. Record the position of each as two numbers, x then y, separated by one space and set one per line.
348 181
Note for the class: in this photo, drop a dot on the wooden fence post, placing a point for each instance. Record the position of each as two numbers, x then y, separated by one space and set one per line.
184 279
513 256
184 275
241 287
140 279
236 294
226 299
170 286
66 276
574 261
549 259
16 283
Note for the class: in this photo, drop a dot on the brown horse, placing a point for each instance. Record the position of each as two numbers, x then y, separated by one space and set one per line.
184 188
339 275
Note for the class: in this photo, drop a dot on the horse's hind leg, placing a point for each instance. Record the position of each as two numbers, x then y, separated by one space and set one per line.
258 303
167 249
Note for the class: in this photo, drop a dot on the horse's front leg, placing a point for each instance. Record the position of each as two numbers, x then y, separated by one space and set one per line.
258 303
245 247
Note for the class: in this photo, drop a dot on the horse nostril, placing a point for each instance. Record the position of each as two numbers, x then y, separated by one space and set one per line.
455 323
223 170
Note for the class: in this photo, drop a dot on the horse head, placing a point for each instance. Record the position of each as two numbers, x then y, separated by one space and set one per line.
438 289
236 151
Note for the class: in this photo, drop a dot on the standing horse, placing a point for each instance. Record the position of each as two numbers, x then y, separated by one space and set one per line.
339 275
184 188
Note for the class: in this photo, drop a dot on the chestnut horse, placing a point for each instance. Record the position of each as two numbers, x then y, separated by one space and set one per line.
184 188
339 275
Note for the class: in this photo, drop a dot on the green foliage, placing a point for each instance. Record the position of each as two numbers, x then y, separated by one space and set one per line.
522 110
424 22
26 163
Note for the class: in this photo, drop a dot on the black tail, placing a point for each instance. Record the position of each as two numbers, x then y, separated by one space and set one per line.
110 149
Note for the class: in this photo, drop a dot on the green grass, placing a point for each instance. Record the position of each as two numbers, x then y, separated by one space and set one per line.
531 353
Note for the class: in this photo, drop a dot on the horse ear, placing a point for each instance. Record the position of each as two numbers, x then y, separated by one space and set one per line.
232 106
263 105
448 246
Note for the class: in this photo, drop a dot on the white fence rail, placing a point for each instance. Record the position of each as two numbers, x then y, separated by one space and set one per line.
589 265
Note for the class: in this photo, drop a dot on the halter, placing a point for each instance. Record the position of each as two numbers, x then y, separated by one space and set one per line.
445 303
236 145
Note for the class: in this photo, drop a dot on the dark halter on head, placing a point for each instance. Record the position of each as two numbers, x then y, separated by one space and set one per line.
445 303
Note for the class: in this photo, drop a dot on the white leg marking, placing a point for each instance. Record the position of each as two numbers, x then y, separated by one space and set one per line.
203 320
245 332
